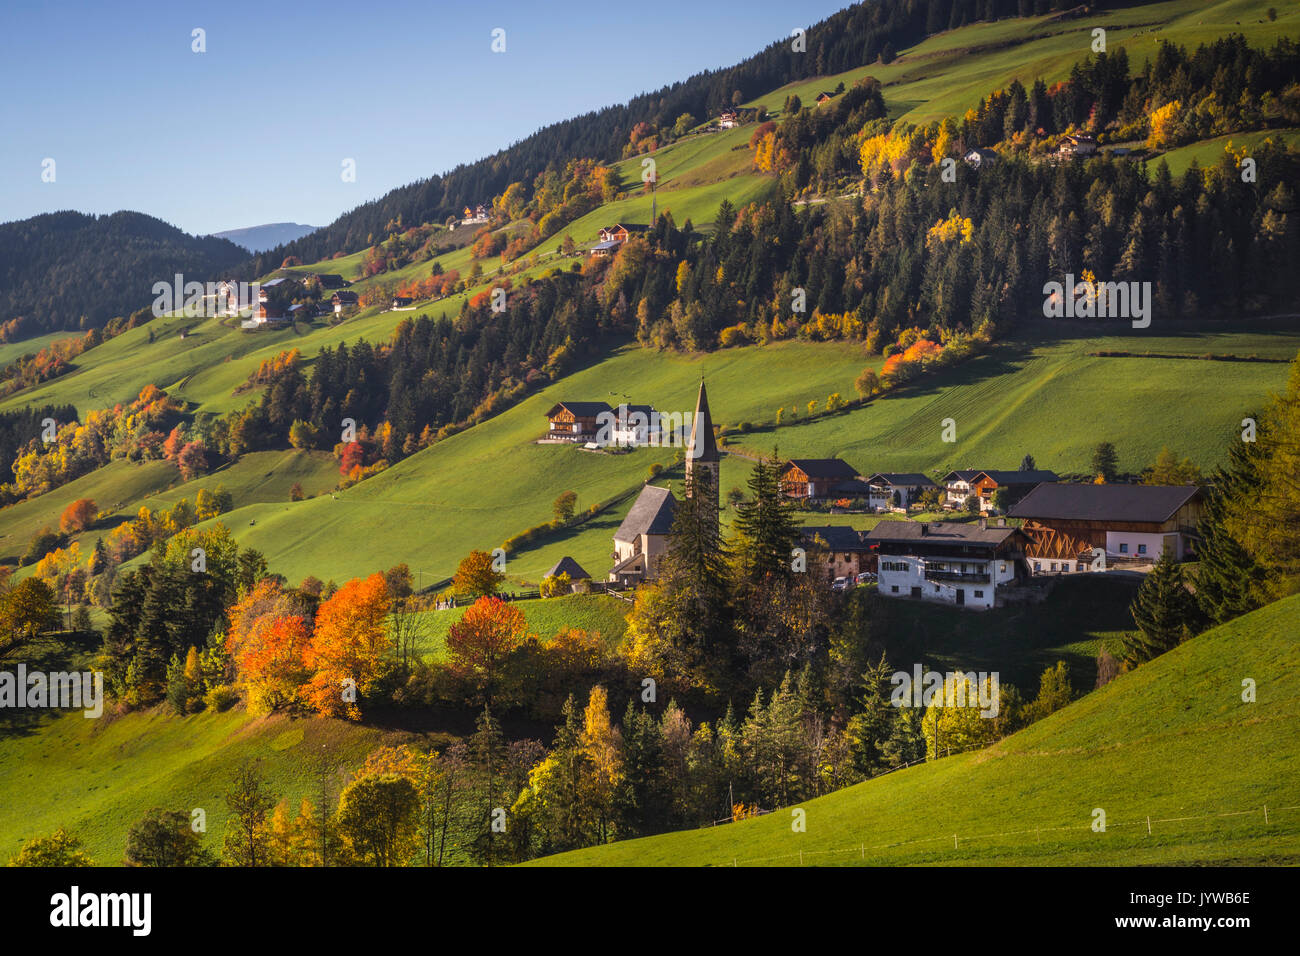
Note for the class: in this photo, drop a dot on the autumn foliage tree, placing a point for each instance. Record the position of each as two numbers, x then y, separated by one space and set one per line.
78 516
480 643
347 647
268 639
477 575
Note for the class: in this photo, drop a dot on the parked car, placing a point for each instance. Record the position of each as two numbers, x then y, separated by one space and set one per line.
866 577
840 584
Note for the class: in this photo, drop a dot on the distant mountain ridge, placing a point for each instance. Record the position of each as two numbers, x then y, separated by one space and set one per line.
71 270
266 236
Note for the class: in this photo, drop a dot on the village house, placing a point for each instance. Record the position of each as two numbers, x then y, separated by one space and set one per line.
400 302
980 157
266 316
1068 523
959 485
633 426
896 490
728 120
274 288
328 280
342 299
575 421
642 538
475 216
839 551
824 97
959 563
813 478
1080 144
611 237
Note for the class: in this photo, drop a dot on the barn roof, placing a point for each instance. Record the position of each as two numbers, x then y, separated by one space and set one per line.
1079 502
824 467
580 409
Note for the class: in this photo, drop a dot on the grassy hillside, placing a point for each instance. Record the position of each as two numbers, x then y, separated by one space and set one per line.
950 72
1171 742
1044 395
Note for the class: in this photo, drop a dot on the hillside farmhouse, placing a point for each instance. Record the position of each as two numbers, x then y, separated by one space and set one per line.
814 478
728 120
611 237
839 551
575 421
953 563
342 299
891 490
1080 144
960 485
1066 522
980 157
328 280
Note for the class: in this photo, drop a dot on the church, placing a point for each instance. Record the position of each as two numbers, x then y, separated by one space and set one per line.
642 538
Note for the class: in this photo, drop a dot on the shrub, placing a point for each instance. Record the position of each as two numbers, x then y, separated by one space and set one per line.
222 697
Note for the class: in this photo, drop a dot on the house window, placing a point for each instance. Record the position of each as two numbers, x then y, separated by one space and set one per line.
1079 566
1038 565
936 589
1123 549
1142 549
894 589
1053 565
979 594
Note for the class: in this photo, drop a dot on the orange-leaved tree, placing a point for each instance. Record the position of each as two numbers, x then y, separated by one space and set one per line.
481 641
347 648
78 516
267 640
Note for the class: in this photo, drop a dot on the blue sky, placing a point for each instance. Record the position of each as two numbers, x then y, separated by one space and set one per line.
255 129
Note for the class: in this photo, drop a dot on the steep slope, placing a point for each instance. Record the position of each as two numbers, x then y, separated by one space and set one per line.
1182 767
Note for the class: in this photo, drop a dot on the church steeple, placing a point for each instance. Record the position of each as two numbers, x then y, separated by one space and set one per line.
702 458
703 445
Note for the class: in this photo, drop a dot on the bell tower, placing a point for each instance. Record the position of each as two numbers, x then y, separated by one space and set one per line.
702 458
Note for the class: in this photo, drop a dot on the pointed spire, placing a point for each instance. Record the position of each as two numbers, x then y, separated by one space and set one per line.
705 446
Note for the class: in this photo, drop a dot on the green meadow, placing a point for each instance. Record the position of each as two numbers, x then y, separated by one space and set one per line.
1182 767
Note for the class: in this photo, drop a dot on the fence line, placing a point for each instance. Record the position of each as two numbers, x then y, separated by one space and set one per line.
862 848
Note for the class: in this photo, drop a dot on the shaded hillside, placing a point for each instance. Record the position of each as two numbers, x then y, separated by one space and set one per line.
69 270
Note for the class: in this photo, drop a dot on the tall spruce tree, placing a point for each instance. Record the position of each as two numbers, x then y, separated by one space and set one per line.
1229 581
1164 611
694 571
766 529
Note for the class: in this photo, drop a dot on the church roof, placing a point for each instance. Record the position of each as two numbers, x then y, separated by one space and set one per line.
652 513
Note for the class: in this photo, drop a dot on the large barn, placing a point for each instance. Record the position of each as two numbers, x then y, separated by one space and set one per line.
1066 522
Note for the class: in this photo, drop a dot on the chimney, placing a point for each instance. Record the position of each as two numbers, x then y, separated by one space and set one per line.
925 529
